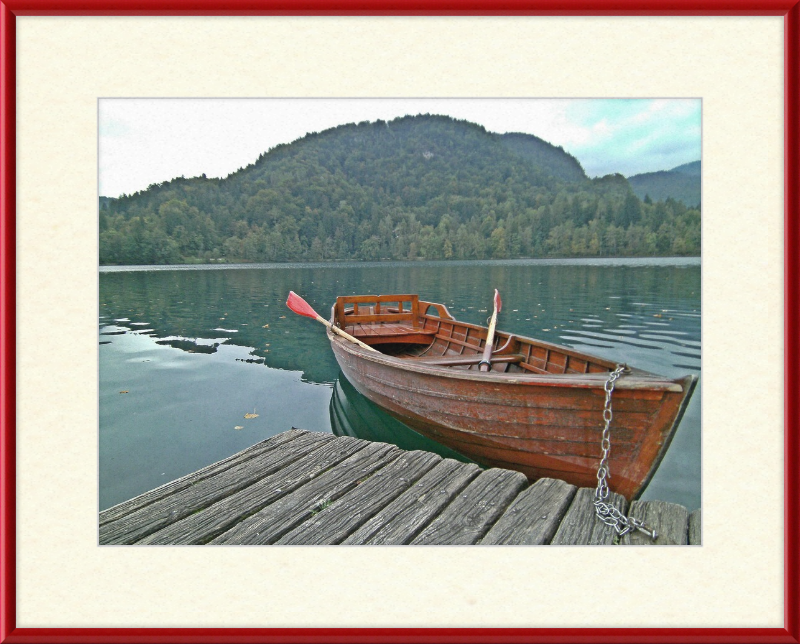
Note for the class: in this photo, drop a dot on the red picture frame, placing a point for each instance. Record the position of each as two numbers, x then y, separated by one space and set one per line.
10 9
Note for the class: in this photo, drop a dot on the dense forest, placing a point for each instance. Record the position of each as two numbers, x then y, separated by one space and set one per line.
427 187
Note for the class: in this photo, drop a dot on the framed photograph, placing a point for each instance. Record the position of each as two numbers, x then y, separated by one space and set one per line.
64 63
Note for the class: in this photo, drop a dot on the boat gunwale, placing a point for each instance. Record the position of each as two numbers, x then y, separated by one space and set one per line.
449 318
533 341
636 380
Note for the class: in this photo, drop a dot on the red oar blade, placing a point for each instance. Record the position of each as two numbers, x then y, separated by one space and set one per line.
498 303
300 306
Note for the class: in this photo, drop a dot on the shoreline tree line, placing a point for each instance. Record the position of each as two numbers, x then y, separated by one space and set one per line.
422 187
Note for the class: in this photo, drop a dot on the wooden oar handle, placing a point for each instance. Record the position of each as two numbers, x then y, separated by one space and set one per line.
486 362
344 334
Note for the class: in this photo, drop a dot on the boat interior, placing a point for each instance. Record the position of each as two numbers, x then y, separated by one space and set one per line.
406 327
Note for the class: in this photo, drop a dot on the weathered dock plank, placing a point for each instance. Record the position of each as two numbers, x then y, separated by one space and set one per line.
212 521
333 524
138 502
271 523
403 519
580 526
534 516
311 488
670 520
470 516
137 525
695 529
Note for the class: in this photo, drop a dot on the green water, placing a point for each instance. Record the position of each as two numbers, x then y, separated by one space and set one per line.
198 348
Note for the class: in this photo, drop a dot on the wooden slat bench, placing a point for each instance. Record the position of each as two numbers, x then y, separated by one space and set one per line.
382 319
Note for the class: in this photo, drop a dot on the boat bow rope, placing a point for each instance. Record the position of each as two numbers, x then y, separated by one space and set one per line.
604 510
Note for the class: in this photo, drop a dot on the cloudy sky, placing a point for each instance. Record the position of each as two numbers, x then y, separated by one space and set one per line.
145 141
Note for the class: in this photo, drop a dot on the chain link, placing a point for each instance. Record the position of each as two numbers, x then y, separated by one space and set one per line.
605 511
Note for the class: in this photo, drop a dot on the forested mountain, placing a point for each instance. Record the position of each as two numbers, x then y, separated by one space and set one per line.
416 187
692 168
681 183
544 155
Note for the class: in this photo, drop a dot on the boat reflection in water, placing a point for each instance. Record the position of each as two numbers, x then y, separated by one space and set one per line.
353 415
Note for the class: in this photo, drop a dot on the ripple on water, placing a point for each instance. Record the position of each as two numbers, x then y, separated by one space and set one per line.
601 307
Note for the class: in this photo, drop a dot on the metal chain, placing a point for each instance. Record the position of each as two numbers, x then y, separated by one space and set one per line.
606 512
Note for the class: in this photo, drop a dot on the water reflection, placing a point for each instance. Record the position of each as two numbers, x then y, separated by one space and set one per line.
353 415
556 301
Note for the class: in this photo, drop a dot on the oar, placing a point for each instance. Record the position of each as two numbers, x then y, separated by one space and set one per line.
298 305
486 362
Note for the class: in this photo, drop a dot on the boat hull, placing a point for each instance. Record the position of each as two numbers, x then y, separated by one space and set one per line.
543 426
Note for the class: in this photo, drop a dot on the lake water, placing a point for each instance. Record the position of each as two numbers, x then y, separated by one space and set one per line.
197 363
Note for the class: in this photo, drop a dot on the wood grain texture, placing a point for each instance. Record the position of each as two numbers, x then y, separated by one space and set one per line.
137 503
468 518
153 517
310 488
333 524
670 520
403 519
695 529
580 525
534 516
279 518
212 521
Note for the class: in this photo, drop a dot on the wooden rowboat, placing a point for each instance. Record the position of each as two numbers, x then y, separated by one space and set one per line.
539 410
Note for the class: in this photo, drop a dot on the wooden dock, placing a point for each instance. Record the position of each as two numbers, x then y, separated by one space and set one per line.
306 488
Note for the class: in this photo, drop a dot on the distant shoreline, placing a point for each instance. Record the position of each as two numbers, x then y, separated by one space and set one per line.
688 260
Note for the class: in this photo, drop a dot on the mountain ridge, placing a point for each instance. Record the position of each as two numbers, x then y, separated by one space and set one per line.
681 183
424 186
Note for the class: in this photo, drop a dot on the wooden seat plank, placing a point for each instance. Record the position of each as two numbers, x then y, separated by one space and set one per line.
534 516
334 523
361 330
272 522
446 361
